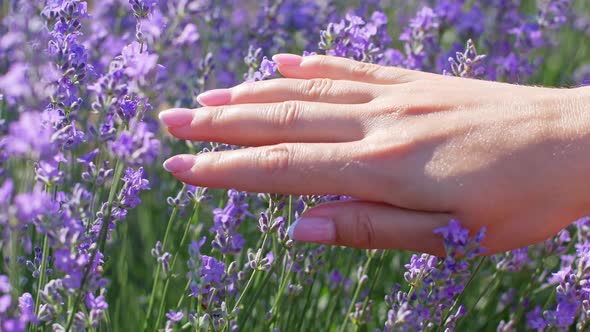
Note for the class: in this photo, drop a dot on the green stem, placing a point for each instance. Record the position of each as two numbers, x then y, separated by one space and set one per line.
159 266
338 291
182 297
305 306
194 218
13 272
249 283
460 297
549 300
288 322
355 296
101 239
487 289
282 285
42 273
243 320
535 276
199 302
161 307
373 283
280 291
284 274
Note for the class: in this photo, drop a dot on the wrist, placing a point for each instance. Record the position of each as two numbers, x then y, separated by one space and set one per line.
574 150
584 93
573 109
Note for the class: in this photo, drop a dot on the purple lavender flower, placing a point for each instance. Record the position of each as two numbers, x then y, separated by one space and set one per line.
142 8
212 270
15 83
420 38
97 306
162 257
138 63
76 95
15 320
189 35
468 63
227 220
134 184
535 321
513 260
136 147
354 38
553 13
29 136
441 281
128 109
175 316
31 205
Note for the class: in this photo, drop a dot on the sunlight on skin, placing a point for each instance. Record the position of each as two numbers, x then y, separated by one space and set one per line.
483 152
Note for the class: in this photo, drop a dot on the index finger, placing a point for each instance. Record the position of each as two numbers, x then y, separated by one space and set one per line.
337 68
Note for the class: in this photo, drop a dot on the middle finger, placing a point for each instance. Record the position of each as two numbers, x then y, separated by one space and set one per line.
282 89
265 124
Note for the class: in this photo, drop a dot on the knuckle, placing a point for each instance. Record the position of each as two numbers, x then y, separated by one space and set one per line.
393 150
418 87
217 116
320 60
403 76
275 159
364 231
317 88
362 70
392 108
399 154
247 88
286 114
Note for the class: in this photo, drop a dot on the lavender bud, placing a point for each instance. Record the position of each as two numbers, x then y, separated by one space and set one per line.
232 268
363 280
294 290
204 321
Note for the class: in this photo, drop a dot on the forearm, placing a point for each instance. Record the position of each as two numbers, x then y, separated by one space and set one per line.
574 148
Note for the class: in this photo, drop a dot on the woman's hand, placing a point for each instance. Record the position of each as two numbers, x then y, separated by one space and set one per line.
415 148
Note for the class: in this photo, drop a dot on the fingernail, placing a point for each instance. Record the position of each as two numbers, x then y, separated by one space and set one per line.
285 59
313 229
178 164
214 97
177 117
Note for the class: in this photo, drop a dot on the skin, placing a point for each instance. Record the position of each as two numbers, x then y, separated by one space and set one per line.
415 149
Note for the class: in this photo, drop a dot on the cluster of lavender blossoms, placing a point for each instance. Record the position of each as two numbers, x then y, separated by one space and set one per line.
95 236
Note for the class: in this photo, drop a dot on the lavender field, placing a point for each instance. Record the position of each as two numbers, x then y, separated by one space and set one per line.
96 236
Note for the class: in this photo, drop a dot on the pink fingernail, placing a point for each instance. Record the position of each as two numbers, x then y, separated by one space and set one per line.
177 117
313 229
215 97
285 59
178 164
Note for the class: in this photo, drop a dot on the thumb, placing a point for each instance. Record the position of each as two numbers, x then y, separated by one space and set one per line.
370 225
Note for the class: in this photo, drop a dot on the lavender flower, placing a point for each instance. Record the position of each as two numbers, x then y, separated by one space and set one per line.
226 222
80 83
469 63
420 38
134 184
354 38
